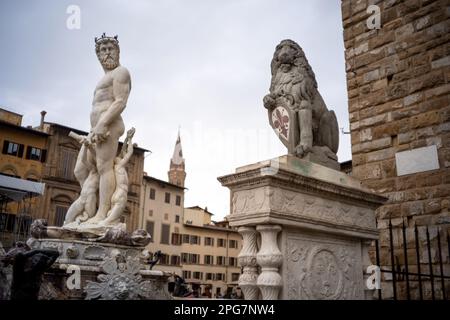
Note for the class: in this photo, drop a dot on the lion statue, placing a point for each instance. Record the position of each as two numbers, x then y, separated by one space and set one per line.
296 109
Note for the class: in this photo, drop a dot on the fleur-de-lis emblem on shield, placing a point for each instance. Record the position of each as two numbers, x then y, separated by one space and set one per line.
280 120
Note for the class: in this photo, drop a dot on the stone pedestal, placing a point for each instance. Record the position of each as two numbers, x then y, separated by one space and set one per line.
314 223
106 271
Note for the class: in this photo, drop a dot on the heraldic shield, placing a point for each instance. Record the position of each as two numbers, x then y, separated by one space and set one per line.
284 121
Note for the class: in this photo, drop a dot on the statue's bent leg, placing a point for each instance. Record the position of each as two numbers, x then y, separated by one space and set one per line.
306 132
118 205
81 171
75 209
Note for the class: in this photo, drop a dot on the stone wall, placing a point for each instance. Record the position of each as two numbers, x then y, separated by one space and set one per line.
398 80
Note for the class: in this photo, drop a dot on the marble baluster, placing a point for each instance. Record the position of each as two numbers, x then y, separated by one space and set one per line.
247 260
269 258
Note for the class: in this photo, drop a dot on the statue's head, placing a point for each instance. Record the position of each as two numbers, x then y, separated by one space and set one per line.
108 51
289 54
140 237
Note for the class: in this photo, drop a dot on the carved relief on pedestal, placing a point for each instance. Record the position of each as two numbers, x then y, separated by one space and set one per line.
251 201
122 281
269 258
290 202
247 260
321 269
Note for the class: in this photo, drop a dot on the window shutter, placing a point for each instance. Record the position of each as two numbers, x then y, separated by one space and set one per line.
28 154
5 146
43 155
20 153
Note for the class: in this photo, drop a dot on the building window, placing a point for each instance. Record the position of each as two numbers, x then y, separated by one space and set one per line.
152 193
7 222
198 275
176 239
13 149
60 215
195 239
184 257
178 200
232 262
167 198
210 276
150 226
35 154
194 258
175 260
220 260
185 238
221 242
209 241
150 213
233 244
166 216
164 259
208 259
235 277
186 274
68 164
177 219
220 276
165 233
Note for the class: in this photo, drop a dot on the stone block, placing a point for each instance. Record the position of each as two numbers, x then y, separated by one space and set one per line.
430 80
373 120
389 211
405 183
406 137
365 134
372 75
412 208
388 169
425 119
413 98
404 31
390 129
381 39
378 85
367 171
381 155
423 22
372 145
432 206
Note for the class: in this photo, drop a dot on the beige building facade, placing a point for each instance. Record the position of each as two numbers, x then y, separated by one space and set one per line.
204 253
209 253
161 215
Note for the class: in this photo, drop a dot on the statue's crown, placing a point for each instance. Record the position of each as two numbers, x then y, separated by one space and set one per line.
105 38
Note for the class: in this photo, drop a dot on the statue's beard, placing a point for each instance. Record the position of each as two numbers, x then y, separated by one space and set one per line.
109 62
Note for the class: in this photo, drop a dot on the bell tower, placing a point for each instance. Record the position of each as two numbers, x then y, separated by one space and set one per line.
177 173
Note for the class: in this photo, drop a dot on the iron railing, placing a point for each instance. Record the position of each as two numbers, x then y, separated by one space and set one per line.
401 273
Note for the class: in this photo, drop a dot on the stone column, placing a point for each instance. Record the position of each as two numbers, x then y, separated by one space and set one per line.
247 260
269 258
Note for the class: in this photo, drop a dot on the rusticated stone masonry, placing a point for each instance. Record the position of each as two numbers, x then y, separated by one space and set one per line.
398 81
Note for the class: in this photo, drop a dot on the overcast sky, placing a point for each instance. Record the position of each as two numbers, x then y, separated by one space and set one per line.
201 65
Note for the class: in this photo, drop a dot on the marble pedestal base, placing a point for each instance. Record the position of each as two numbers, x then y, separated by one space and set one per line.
306 226
122 275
